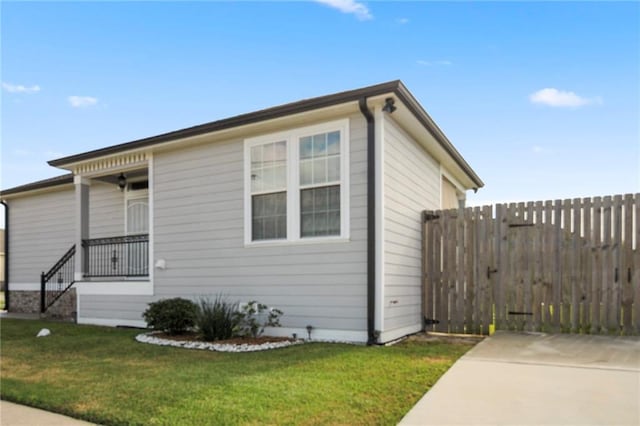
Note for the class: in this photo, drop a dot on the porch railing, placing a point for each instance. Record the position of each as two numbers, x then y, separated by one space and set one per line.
55 282
126 256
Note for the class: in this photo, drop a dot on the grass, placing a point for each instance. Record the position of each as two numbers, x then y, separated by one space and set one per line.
103 375
1 300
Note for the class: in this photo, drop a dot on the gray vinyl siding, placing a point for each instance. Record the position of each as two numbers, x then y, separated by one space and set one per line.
199 231
411 185
128 308
42 230
106 207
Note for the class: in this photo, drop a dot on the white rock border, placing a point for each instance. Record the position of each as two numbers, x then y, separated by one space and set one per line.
217 347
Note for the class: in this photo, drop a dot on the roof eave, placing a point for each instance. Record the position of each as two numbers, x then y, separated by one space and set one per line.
38 185
236 121
421 115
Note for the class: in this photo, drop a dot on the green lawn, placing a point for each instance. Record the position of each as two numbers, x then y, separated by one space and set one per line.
103 375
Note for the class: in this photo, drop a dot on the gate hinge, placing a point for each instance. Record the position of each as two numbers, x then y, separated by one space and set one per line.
427 216
429 321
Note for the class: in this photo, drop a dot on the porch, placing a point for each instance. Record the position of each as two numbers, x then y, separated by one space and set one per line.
111 233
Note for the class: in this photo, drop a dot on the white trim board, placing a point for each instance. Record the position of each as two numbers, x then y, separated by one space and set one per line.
320 334
380 118
394 334
114 288
112 322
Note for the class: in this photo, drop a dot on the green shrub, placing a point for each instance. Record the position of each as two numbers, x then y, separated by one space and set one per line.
216 318
253 317
173 316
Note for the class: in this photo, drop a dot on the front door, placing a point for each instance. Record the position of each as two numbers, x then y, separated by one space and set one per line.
137 223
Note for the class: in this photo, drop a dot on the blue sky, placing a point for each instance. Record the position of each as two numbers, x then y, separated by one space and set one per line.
542 99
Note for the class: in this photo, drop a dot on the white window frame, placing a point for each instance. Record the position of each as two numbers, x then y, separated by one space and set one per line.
292 138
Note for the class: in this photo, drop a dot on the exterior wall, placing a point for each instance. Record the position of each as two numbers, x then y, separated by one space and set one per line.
42 230
2 286
106 210
1 259
113 309
411 185
449 195
198 217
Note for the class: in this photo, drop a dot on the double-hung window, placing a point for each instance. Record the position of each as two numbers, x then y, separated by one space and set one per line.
269 191
296 184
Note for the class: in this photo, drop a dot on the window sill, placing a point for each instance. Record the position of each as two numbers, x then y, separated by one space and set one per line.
300 242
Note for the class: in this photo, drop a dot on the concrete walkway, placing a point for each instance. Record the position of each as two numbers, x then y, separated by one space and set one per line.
538 379
18 415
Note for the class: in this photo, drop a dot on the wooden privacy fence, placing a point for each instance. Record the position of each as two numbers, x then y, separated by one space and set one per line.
552 266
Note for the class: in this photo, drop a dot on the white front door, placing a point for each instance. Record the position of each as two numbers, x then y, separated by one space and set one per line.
138 214
136 223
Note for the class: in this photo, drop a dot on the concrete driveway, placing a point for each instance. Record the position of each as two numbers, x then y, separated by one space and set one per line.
538 379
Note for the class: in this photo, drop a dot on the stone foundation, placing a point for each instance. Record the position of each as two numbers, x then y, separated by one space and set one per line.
28 302
64 308
25 302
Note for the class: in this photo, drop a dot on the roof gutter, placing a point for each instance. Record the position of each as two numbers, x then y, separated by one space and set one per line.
6 255
372 333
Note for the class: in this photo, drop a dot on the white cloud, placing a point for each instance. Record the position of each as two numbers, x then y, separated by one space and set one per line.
18 88
442 62
402 21
560 98
82 101
349 6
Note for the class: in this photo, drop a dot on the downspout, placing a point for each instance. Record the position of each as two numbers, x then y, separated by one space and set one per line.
372 333
6 255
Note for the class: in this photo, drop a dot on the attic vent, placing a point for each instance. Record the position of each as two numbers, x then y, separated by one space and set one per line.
137 186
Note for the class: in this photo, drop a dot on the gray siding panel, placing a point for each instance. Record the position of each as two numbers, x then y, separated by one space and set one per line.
42 230
106 210
43 227
202 239
199 232
113 307
411 185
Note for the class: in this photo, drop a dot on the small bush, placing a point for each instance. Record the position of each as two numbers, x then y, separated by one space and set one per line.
173 316
216 318
253 317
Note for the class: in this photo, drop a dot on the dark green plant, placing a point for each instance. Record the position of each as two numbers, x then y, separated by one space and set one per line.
173 316
216 318
253 317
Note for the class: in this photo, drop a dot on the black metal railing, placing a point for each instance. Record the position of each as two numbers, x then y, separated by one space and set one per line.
126 256
58 280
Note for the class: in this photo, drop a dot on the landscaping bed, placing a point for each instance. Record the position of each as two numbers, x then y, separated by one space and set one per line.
236 344
103 375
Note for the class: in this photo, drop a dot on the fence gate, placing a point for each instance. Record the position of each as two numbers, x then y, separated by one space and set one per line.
552 266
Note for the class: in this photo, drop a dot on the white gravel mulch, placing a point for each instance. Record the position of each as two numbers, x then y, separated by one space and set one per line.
219 347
